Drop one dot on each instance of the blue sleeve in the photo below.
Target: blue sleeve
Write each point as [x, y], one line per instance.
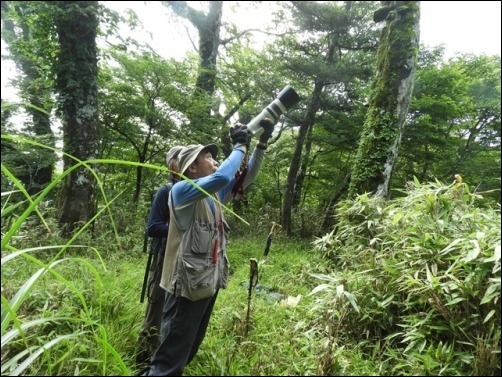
[185, 193]
[159, 213]
[254, 166]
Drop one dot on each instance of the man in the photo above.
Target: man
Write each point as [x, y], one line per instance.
[157, 229]
[196, 265]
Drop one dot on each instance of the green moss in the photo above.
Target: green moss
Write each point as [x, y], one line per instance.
[396, 58]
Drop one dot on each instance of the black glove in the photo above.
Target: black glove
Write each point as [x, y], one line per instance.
[239, 133]
[268, 127]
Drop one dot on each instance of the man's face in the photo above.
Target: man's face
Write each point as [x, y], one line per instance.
[204, 164]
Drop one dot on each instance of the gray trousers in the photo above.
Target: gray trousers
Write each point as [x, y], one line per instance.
[184, 326]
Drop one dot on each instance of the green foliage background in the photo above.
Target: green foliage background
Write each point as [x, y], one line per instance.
[409, 286]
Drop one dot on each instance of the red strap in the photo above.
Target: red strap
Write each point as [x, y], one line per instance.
[240, 176]
[216, 251]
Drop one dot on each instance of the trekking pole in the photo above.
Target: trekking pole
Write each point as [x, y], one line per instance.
[253, 269]
[276, 228]
[147, 270]
[149, 261]
[253, 280]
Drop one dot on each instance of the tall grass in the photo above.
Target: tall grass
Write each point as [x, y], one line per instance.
[67, 337]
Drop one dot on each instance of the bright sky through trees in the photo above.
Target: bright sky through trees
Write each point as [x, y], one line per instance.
[461, 26]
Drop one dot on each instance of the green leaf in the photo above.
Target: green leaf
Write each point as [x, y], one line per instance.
[489, 315]
[455, 301]
[473, 253]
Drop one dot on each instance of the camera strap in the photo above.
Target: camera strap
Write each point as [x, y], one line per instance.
[240, 175]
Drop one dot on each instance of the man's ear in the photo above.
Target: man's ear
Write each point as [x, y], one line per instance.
[192, 168]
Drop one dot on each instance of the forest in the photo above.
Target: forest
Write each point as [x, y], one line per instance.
[380, 189]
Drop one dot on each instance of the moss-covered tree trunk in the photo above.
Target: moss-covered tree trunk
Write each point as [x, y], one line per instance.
[77, 88]
[390, 98]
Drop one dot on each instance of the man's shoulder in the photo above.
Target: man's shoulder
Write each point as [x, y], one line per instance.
[163, 191]
[165, 187]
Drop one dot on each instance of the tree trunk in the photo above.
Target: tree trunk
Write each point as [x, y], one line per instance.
[36, 88]
[42, 174]
[390, 98]
[77, 89]
[329, 220]
[208, 26]
[307, 123]
[300, 179]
